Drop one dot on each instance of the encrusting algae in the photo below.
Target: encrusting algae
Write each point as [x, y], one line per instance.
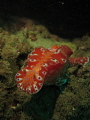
[17, 40]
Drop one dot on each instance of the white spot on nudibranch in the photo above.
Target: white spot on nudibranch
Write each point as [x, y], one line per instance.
[32, 60]
[32, 66]
[49, 49]
[45, 65]
[39, 78]
[42, 49]
[27, 70]
[28, 89]
[18, 74]
[57, 51]
[44, 72]
[55, 60]
[64, 60]
[87, 60]
[31, 54]
[21, 88]
[35, 87]
[19, 85]
[81, 60]
[18, 79]
[40, 84]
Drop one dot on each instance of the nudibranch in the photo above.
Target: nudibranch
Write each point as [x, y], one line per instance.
[44, 66]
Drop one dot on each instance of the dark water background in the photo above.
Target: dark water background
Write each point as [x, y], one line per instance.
[65, 18]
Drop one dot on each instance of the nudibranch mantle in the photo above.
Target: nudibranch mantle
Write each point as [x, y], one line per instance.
[44, 66]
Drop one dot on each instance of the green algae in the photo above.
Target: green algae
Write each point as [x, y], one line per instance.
[15, 44]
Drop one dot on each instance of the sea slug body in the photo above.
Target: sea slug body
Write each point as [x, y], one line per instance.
[43, 67]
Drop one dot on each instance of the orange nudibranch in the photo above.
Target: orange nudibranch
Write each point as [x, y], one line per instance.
[44, 65]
